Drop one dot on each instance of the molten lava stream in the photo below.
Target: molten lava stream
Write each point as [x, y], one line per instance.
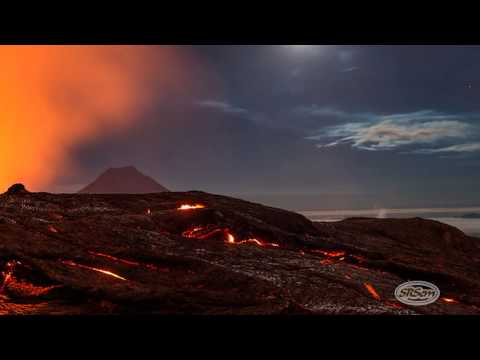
[110, 257]
[327, 262]
[332, 254]
[26, 289]
[123, 261]
[106, 272]
[372, 291]
[191, 207]
[21, 287]
[231, 240]
[201, 233]
[7, 274]
[449, 300]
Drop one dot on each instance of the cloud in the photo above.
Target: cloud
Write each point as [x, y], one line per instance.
[349, 69]
[458, 148]
[55, 98]
[380, 132]
[222, 106]
[327, 111]
[315, 110]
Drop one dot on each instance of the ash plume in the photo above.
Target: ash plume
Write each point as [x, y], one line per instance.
[56, 97]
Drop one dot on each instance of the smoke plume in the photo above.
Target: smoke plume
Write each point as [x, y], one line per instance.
[54, 97]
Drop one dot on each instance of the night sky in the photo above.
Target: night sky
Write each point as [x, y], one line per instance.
[306, 127]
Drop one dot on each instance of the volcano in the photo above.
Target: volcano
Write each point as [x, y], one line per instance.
[125, 180]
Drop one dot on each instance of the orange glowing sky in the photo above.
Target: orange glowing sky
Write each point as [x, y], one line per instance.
[55, 97]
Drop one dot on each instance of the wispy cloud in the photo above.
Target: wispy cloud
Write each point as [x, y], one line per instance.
[222, 106]
[458, 148]
[349, 69]
[389, 132]
[327, 111]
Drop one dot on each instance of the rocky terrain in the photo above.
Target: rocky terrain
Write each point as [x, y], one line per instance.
[198, 253]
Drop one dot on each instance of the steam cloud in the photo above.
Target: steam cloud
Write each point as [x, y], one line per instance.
[55, 97]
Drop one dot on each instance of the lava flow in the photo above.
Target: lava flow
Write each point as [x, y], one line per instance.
[231, 240]
[190, 207]
[372, 291]
[123, 261]
[449, 300]
[327, 262]
[20, 287]
[332, 254]
[7, 274]
[72, 263]
[201, 233]
[127, 262]
[26, 289]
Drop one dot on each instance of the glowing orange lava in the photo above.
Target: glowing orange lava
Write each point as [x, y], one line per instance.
[372, 291]
[200, 232]
[22, 287]
[123, 261]
[190, 207]
[231, 240]
[7, 274]
[192, 232]
[128, 262]
[333, 254]
[28, 289]
[449, 300]
[106, 272]
[327, 262]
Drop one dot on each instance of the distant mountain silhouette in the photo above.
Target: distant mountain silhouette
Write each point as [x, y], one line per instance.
[125, 180]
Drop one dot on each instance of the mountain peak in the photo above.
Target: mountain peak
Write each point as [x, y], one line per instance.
[123, 170]
[123, 180]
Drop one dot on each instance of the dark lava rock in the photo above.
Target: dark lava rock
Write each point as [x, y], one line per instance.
[17, 189]
[89, 254]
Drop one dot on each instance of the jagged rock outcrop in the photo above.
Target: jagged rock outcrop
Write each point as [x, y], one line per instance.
[17, 189]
